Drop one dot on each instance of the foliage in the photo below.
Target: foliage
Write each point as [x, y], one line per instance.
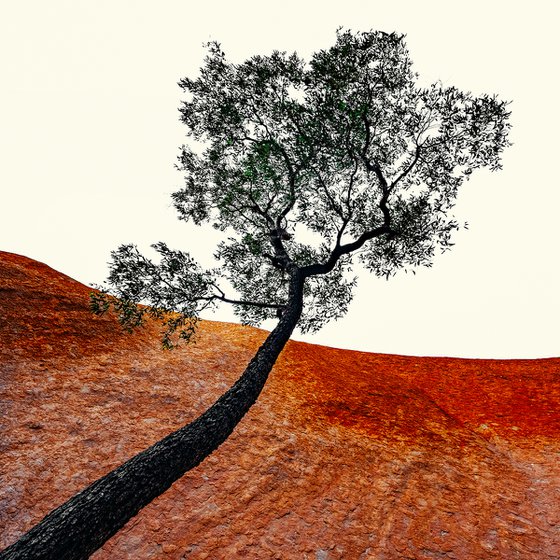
[306, 164]
[176, 290]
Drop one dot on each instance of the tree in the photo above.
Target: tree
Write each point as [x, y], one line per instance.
[305, 168]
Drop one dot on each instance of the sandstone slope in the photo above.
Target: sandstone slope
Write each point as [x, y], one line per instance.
[347, 455]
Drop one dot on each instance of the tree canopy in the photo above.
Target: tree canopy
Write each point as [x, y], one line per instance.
[314, 165]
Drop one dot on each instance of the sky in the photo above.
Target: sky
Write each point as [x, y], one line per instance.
[89, 136]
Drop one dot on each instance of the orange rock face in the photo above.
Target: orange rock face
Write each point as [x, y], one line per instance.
[347, 455]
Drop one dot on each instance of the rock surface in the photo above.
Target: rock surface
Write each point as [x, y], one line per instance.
[347, 455]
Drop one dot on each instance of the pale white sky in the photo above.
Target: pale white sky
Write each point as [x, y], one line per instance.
[89, 134]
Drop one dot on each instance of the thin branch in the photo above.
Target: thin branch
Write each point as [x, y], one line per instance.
[340, 232]
[292, 171]
[407, 170]
[259, 210]
[239, 209]
[217, 288]
[351, 183]
[334, 205]
[292, 201]
[259, 304]
[372, 166]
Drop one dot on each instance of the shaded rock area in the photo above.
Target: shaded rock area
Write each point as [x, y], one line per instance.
[347, 455]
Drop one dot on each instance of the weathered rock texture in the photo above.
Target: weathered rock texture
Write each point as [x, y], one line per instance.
[347, 455]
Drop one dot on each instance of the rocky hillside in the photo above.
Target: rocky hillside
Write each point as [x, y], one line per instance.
[347, 455]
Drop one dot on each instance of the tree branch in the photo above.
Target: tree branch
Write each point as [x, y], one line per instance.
[407, 170]
[340, 250]
[259, 304]
[335, 207]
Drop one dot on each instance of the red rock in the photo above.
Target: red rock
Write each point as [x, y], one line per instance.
[347, 455]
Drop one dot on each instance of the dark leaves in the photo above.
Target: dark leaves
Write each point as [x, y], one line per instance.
[174, 290]
[329, 153]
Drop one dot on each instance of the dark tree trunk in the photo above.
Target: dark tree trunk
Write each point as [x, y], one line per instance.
[84, 523]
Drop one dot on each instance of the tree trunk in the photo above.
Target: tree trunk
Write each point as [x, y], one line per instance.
[84, 523]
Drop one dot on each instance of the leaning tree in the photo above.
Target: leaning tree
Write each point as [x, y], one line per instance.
[305, 167]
